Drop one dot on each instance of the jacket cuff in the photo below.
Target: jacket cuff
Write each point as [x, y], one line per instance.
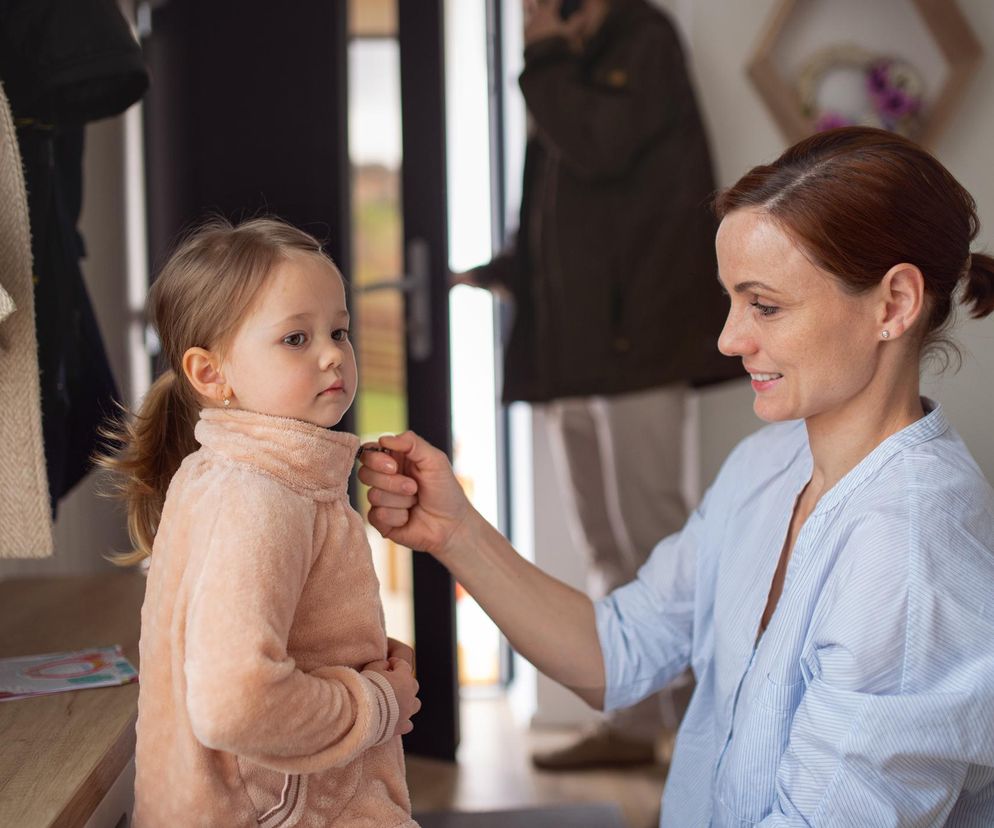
[389, 711]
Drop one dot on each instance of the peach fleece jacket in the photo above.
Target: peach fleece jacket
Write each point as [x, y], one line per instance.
[261, 608]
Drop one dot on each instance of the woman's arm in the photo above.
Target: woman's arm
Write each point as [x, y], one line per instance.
[416, 501]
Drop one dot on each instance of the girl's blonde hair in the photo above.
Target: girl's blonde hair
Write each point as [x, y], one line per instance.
[200, 297]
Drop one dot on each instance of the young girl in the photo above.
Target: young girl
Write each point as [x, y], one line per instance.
[270, 694]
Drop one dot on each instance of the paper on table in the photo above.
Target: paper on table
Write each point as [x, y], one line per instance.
[39, 675]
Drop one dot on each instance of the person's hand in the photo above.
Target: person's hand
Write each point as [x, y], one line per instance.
[398, 672]
[414, 496]
[398, 649]
[463, 278]
[469, 279]
[542, 20]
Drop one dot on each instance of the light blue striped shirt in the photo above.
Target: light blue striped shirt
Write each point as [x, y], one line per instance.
[869, 700]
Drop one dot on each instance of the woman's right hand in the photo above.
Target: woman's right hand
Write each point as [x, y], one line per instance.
[414, 496]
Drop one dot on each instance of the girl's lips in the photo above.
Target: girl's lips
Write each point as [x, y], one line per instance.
[333, 389]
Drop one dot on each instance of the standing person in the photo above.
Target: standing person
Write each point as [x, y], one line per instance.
[832, 592]
[615, 304]
[270, 694]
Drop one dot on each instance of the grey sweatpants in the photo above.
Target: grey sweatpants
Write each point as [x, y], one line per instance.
[619, 462]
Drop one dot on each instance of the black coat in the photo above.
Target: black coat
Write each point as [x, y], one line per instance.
[612, 270]
[64, 63]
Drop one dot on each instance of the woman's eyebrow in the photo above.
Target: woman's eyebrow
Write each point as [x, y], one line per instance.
[753, 286]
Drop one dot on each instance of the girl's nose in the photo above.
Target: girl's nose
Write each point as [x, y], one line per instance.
[331, 355]
[734, 339]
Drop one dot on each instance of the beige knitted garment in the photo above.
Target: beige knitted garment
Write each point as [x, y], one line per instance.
[25, 519]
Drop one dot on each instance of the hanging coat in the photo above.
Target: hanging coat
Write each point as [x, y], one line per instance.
[65, 63]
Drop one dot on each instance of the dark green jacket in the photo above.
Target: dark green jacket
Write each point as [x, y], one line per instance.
[612, 269]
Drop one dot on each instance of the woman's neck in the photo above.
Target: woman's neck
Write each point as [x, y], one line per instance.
[840, 439]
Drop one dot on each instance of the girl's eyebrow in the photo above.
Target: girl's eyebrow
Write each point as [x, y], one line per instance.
[304, 316]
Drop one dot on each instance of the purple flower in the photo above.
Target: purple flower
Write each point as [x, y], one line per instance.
[831, 120]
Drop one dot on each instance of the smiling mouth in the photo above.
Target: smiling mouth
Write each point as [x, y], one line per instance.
[765, 377]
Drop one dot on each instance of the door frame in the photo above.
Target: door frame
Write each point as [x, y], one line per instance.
[423, 185]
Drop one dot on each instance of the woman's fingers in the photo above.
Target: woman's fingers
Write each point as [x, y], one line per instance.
[394, 483]
[387, 519]
[381, 497]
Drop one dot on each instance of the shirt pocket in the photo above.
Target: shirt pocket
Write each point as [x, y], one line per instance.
[746, 784]
[780, 697]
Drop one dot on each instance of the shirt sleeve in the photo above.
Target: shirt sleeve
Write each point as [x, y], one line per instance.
[245, 695]
[646, 628]
[900, 682]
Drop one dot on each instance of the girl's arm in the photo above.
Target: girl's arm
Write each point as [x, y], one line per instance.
[417, 502]
[244, 694]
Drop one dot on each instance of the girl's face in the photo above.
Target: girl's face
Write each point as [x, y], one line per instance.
[291, 356]
[811, 348]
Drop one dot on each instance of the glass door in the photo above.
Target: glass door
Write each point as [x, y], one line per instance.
[396, 150]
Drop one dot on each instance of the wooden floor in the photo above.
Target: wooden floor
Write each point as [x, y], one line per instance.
[493, 772]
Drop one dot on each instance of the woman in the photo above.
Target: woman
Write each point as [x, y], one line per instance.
[833, 591]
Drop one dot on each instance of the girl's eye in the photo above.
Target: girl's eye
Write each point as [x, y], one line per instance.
[764, 310]
[340, 335]
[294, 340]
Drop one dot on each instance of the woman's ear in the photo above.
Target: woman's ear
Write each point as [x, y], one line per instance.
[202, 369]
[903, 295]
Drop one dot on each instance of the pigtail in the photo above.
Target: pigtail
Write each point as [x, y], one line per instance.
[979, 290]
[154, 443]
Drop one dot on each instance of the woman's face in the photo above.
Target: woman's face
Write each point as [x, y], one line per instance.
[810, 348]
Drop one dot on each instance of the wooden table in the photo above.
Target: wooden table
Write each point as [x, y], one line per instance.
[60, 754]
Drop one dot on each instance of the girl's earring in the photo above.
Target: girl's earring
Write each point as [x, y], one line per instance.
[884, 334]
[226, 401]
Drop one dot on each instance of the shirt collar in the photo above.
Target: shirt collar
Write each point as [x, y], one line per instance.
[307, 458]
[932, 425]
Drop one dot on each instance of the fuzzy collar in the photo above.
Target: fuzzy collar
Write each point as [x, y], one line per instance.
[307, 458]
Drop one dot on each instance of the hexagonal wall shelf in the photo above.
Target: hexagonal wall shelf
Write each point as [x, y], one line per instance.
[959, 47]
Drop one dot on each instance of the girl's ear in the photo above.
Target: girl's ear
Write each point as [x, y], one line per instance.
[201, 368]
[903, 289]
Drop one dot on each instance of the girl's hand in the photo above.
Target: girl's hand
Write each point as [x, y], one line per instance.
[398, 649]
[398, 673]
[414, 496]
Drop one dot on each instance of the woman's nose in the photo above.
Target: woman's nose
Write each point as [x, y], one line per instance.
[734, 339]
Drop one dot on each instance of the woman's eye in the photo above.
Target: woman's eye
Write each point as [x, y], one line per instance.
[340, 335]
[294, 340]
[764, 310]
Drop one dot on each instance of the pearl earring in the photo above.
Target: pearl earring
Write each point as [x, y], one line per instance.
[226, 401]
[885, 334]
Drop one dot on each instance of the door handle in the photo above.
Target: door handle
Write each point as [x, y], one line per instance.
[417, 286]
